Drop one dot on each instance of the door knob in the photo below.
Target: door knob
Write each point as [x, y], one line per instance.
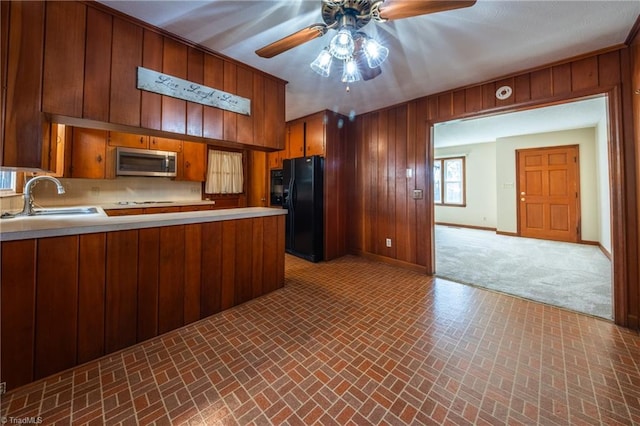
[522, 193]
[522, 199]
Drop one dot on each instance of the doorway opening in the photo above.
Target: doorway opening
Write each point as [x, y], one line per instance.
[497, 240]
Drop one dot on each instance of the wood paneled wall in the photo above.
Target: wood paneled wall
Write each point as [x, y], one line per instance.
[68, 300]
[336, 184]
[391, 141]
[77, 63]
[634, 291]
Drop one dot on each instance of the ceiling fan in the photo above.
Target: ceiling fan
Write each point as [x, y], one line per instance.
[361, 55]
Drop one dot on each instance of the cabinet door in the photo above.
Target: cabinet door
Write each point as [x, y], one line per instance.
[97, 59]
[126, 51]
[314, 135]
[258, 178]
[154, 210]
[17, 311]
[63, 81]
[194, 162]
[295, 136]
[22, 84]
[124, 212]
[195, 208]
[121, 290]
[56, 305]
[244, 123]
[174, 111]
[274, 160]
[129, 140]
[165, 144]
[88, 153]
[274, 113]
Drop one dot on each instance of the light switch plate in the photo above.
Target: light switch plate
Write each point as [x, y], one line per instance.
[417, 194]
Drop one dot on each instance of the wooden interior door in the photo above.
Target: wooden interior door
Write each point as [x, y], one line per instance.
[548, 193]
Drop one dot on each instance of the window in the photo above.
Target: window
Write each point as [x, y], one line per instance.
[224, 173]
[449, 181]
[7, 182]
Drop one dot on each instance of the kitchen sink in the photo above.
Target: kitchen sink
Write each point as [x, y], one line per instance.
[55, 211]
[65, 211]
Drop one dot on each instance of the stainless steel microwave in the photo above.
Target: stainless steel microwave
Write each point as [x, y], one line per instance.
[145, 162]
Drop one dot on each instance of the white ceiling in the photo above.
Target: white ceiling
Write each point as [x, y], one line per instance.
[428, 54]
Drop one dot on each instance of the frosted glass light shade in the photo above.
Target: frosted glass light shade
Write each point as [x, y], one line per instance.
[374, 52]
[322, 64]
[350, 72]
[342, 45]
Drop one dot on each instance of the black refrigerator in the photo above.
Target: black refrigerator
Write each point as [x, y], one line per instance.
[303, 198]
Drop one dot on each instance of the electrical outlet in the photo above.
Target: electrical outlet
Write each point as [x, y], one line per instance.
[3, 388]
[388, 242]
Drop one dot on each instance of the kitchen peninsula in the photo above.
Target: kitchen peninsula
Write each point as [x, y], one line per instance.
[77, 288]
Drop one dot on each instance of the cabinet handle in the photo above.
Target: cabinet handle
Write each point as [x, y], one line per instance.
[99, 158]
[187, 164]
[141, 140]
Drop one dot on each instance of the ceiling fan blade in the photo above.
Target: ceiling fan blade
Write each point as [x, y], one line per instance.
[399, 9]
[292, 40]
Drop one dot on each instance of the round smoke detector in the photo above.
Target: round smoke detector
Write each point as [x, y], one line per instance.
[503, 92]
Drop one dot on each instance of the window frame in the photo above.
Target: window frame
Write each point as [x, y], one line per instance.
[444, 182]
[18, 182]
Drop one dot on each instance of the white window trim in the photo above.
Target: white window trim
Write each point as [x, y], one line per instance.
[443, 182]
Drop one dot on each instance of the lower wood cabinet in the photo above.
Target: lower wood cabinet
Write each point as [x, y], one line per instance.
[68, 300]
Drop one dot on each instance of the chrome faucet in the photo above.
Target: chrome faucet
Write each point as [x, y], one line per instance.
[27, 209]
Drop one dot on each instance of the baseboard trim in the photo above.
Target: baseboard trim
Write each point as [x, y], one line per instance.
[457, 225]
[509, 234]
[389, 261]
[605, 252]
[599, 245]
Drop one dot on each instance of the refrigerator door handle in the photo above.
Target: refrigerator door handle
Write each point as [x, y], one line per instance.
[291, 196]
[294, 193]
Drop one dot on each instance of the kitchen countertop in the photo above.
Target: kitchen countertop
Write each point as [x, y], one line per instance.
[145, 204]
[26, 227]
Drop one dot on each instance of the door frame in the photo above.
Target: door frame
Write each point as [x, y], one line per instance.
[578, 215]
[622, 221]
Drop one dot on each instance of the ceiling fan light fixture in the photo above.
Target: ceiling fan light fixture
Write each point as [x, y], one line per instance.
[375, 53]
[342, 44]
[350, 71]
[322, 64]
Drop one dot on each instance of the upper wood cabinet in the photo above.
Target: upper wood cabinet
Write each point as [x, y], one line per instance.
[91, 158]
[306, 136]
[24, 132]
[296, 136]
[144, 142]
[194, 162]
[314, 135]
[70, 61]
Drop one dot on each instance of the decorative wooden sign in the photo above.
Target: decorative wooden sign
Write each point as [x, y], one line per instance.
[163, 84]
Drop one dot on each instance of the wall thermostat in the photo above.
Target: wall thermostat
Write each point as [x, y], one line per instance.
[503, 92]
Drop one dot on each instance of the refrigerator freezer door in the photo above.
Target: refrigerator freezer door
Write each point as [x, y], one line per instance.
[304, 200]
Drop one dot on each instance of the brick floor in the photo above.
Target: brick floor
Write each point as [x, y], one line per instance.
[357, 342]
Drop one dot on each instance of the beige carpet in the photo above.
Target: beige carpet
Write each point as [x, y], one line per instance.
[572, 276]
